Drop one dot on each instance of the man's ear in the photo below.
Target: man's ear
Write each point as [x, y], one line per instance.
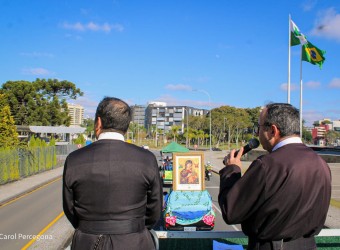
[98, 126]
[275, 131]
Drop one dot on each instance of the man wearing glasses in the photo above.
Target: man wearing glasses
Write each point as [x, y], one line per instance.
[282, 200]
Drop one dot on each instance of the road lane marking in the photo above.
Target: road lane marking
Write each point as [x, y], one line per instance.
[221, 214]
[43, 231]
[25, 194]
[217, 208]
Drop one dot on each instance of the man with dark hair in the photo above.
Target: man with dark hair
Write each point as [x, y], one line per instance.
[282, 199]
[111, 196]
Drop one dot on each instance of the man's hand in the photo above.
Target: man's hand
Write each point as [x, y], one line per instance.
[230, 159]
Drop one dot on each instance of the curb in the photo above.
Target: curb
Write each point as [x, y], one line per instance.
[61, 236]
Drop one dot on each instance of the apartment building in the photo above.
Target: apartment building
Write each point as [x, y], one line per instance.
[320, 129]
[138, 114]
[158, 114]
[76, 112]
[336, 126]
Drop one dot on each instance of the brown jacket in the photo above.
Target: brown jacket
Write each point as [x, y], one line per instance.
[283, 195]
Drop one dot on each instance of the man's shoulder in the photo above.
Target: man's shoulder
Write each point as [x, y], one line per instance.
[291, 154]
[116, 146]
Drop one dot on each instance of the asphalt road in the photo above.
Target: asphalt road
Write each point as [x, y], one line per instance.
[28, 215]
[213, 187]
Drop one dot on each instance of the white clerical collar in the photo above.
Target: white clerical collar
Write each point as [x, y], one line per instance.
[111, 136]
[289, 140]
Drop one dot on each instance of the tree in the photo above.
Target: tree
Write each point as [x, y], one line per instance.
[332, 137]
[253, 114]
[174, 132]
[8, 132]
[200, 137]
[42, 102]
[79, 140]
[325, 122]
[306, 135]
[23, 100]
[235, 120]
[53, 88]
[88, 123]
[3, 100]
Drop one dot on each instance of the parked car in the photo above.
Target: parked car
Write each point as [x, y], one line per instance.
[188, 211]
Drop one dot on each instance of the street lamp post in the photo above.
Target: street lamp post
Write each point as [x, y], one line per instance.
[224, 118]
[186, 141]
[138, 129]
[156, 141]
[164, 136]
[205, 92]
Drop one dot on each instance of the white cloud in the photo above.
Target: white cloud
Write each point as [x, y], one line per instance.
[92, 26]
[90, 106]
[200, 79]
[74, 37]
[335, 112]
[309, 5]
[335, 83]
[178, 87]
[37, 54]
[284, 86]
[36, 71]
[312, 85]
[173, 101]
[310, 116]
[328, 25]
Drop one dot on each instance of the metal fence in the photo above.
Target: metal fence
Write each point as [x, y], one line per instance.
[22, 162]
[65, 149]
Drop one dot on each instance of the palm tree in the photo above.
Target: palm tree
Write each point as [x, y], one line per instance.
[174, 131]
[200, 137]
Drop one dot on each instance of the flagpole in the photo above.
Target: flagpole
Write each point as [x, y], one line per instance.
[288, 84]
[301, 93]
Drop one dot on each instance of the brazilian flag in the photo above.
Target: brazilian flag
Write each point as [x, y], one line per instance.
[312, 54]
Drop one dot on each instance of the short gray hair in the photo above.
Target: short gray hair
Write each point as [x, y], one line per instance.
[285, 116]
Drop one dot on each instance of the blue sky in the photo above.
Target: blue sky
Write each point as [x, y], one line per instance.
[140, 51]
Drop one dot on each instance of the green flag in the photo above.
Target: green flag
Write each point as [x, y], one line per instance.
[296, 37]
[312, 54]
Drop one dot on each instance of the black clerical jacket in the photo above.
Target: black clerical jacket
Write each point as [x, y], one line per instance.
[109, 188]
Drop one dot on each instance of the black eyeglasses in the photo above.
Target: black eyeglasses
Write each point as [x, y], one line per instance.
[257, 128]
